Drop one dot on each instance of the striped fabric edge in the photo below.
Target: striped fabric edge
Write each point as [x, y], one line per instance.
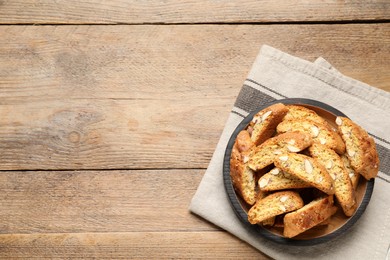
[253, 93]
[301, 66]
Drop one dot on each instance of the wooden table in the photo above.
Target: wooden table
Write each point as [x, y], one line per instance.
[110, 112]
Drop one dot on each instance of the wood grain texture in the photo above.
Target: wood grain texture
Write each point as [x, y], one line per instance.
[99, 201]
[189, 11]
[151, 98]
[90, 97]
[109, 134]
[134, 245]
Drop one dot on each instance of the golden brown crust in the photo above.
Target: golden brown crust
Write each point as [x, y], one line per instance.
[276, 179]
[361, 149]
[300, 112]
[269, 222]
[279, 222]
[273, 205]
[264, 154]
[308, 216]
[242, 176]
[321, 133]
[344, 191]
[264, 122]
[306, 169]
[244, 141]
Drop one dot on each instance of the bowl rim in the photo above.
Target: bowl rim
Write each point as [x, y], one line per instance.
[235, 202]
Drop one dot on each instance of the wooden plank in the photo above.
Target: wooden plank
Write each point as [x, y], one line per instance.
[190, 11]
[148, 245]
[99, 201]
[92, 97]
[109, 134]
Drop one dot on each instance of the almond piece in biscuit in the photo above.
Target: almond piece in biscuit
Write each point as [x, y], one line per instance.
[361, 150]
[264, 154]
[264, 122]
[321, 133]
[308, 216]
[276, 179]
[275, 204]
[306, 169]
[354, 176]
[344, 191]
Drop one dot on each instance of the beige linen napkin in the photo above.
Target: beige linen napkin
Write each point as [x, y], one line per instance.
[277, 75]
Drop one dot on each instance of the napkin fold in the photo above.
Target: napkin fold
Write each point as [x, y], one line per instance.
[277, 75]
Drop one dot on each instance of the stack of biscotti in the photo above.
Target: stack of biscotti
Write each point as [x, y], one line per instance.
[288, 150]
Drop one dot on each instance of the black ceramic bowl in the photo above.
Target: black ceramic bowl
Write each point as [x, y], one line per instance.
[339, 223]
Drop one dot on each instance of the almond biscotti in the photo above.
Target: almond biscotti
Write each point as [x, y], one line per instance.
[309, 158]
[279, 180]
[308, 216]
[344, 191]
[264, 123]
[361, 150]
[243, 178]
[306, 169]
[265, 154]
[301, 112]
[275, 204]
[320, 133]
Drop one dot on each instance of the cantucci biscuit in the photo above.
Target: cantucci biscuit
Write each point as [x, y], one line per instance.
[279, 222]
[320, 133]
[332, 162]
[276, 179]
[306, 169]
[354, 176]
[289, 156]
[243, 178]
[273, 205]
[264, 123]
[264, 154]
[308, 216]
[301, 112]
[361, 150]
